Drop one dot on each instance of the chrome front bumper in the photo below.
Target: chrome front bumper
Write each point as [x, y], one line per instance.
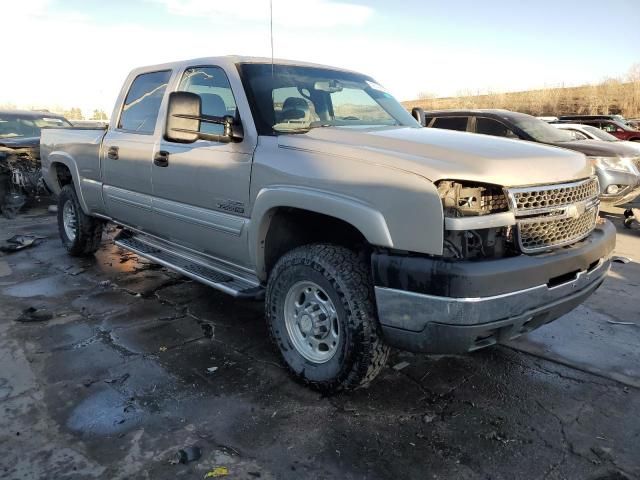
[422, 305]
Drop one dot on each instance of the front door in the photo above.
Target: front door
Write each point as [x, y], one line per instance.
[127, 154]
[201, 190]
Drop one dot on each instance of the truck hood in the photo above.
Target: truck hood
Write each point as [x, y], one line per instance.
[444, 154]
[596, 148]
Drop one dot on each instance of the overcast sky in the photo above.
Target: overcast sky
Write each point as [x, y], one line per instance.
[78, 52]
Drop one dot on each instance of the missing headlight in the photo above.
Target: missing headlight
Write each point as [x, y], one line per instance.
[465, 199]
[462, 199]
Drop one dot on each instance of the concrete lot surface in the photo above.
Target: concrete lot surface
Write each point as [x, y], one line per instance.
[136, 363]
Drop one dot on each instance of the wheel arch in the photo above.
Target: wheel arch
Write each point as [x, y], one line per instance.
[63, 170]
[277, 211]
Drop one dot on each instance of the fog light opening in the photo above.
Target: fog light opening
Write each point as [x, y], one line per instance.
[613, 189]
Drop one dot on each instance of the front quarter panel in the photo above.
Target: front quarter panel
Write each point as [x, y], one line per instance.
[391, 207]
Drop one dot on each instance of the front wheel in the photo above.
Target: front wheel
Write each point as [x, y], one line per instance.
[80, 233]
[321, 315]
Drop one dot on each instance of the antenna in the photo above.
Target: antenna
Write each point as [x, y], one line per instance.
[271, 30]
[272, 67]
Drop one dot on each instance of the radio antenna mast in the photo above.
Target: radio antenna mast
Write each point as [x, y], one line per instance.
[272, 67]
[271, 30]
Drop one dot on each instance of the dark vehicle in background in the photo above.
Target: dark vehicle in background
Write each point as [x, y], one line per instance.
[20, 174]
[617, 166]
[616, 125]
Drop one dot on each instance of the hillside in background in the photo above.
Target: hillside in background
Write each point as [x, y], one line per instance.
[609, 97]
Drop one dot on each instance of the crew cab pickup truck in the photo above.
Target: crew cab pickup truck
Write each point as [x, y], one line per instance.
[312, 188]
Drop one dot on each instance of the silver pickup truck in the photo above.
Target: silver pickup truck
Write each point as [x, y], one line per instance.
[312, 188]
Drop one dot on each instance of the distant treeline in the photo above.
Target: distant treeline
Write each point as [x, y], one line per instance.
[73, 113]
[612, 96]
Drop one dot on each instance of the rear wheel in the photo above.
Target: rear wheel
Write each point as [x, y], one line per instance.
[80, 233]
[321, 315]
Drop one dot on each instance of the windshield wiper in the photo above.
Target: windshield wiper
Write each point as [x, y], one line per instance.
[292, 130]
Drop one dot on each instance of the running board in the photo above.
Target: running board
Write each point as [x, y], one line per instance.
[208, 271]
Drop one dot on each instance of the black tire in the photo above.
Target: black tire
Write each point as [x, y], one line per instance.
[88, 230]
[360, 352]
[628, 222]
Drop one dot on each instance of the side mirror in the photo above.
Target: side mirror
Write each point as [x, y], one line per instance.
[418, 114]
[184, 116]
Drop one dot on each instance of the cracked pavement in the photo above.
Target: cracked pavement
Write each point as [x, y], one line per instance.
[118, 381]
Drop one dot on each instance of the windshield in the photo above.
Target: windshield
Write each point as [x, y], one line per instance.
[295, 99]
[541, 131]
[620, 118]
[599, 134]
[15, 125]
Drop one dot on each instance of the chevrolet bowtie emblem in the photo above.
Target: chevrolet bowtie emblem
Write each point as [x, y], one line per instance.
[575, 210]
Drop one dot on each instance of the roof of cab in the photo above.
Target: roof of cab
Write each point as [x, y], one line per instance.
[231, 61]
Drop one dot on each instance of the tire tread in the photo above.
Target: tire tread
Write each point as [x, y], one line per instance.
[351, 279]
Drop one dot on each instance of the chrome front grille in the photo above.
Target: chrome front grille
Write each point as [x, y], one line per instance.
[542, 197]
[552, 216]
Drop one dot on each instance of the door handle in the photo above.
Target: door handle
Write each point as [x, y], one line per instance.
[161, 158]
[112, 153]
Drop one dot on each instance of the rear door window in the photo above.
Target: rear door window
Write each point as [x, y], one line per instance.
[140, 110]
[451, 123]
[488, 126]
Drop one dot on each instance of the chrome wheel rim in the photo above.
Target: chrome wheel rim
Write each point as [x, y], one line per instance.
[69, 220]
[312, 322]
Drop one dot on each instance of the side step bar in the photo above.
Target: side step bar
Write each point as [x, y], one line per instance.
[208, 271]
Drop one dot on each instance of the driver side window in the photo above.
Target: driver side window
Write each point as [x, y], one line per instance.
[212, 85]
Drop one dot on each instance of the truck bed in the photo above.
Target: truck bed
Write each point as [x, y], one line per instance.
[79, 144]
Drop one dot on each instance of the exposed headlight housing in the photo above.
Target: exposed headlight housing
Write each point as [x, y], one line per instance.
[612, 163]
[465, 199]
[477, 220]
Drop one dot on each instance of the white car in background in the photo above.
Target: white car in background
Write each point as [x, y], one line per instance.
[588, 132]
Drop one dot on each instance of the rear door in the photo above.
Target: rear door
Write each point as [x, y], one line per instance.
[127, 153]
[201, 190]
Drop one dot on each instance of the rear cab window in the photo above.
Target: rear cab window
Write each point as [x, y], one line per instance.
[142, 104]
[451, 123]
